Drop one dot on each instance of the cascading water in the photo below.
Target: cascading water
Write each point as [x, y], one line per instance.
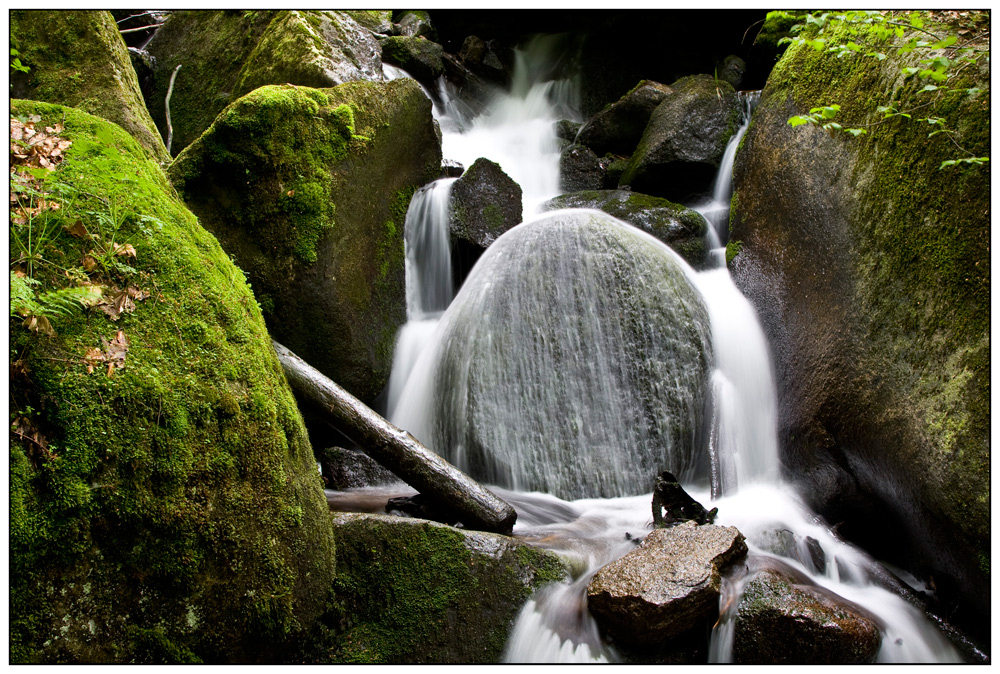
[745, 482]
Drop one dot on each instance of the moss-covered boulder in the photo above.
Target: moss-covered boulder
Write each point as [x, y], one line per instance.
[683, 143]
[307, 189]
[226, 54]
[618, 128]
[780, 622]
[484, 203]
[413, 591]
[869, 266]
[680, 227]
[164, 500]
[419, 57]
[78, 58]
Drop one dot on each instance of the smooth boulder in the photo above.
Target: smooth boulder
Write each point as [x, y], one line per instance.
[683, 143]
[418, 56]
[681, 228]
[668, 586]
[307, 189]
[618, 128]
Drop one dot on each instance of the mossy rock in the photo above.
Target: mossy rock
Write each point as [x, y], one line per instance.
[483, 204]
[226, 54]
[377, 21]
[680, 227]
[419, 57]
[307, 189]
[414, 591]
[871, 275]
[169, 511]
[78, 58]
[619, 127]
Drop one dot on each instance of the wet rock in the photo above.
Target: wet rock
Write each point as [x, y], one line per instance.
[619, 127]
[732, 70]
[485, 203]
[682, 146]
[672, 505]
[350, 469]
[419, 57]
[473, 50]
[677, 226]
[377, 21]
[451, 168]
[567, 129]
[779, 621]
[421, 507]
[413, 23]
[669, 585]
[415, 591]
[580, 169]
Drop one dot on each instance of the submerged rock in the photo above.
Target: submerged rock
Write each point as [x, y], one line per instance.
[413, 591]
[307, 189]
[168, 509]
[680, 227]
[618, 128]
[574, 360]
[780, 622]
[682, 146]
[485, 203]
[668, 586]
[78, 59]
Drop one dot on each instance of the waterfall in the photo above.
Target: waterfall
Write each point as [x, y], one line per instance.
[740, 450]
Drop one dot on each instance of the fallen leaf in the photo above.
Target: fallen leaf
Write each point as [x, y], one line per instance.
[88, 262]
[120, 303]
[137, 293]
[39, 324]
[125, 249]
[78, 229]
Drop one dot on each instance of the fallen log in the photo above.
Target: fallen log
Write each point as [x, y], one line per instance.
[473, 505]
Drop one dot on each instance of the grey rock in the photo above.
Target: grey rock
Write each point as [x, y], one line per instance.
[421, 58]
[416, 24]
[619, 127]
[667, 586]
[567, 129]
[350, 469]
[485, 203]
[580, 169]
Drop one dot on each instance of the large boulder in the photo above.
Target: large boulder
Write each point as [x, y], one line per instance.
[484, 203]
[680, 227]
[779, 621]
[307, 189]
[78, 59]
[226, 54]
[164, 500]
[418, 56]
[668, 586]
[682, 146]
[869, 265]
[574, 360]
[618, 128]
[413, 591]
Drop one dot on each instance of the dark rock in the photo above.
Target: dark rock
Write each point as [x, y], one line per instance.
[418, 56]
[880, 346]
[412, 591]
[142, 63]
[672, 505]
[415, 24]
[421, 507]
[308, 189]
[683, 144]
[451, 168]
[473, 51]
[614, 169]
[567, 129]
[351, 469]
[485, 203]
[580, 169]
[619, 127]
[780, 621]
[732, 70]
[669, 585]
[133, 19]
[677, 226]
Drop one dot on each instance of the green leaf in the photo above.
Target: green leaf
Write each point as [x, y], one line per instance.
[910, 72]
[938, 76]
[856, 132]
[947, 42]
[853, 46]
[916, 21]
[799, 120]
[973, 91]
[928, 87]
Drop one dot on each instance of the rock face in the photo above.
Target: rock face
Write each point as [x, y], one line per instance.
[778, 623]
[78, 58]
[226, 54]
[677, 226]
[485, 203]
[418, 592]
[533, 393]
[870, 275]
[419, 57]
[350, 469]
[669, 585]
[307, 189]
[619, 127]
[168, 510]
[580, 169]
[683, 144]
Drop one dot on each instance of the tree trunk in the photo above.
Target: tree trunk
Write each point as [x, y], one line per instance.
[397, 450]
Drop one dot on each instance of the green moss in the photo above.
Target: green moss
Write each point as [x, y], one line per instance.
[732, 250]
[162, 492]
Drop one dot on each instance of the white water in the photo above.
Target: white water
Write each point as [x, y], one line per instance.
[555, 625]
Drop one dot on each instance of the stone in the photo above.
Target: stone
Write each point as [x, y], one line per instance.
[781, 622]
[472, 52]
[732, 70]
[672, 505]
[485, 203]
[681, 228]
[451, 168]
[580, 169]
[307, 189]
[351, 469]
[414, 591]
[78, 59]
[415, 24]
[619, 127]
[419, 57]
[669, 585]
[567, 129]
[682, 146]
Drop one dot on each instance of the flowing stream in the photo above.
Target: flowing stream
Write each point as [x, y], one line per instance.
[743, 478]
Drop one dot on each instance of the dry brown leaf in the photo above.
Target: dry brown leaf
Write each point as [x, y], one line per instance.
[78, 229]
[39, 324]
[88, 263]
[125, 249]
[137, 293]
[119, 303]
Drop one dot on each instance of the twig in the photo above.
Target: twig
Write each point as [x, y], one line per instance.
[748, 30]
[906, 25]
[136, 16]
[170, 91]
[136, 30]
